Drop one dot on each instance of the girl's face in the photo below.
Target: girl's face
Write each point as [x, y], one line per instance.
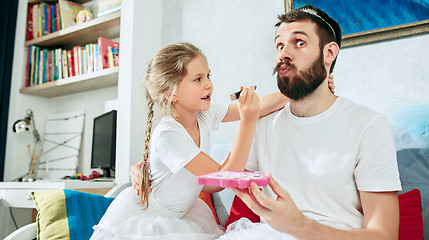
[194, 91]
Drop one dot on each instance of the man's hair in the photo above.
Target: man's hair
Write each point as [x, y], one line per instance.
[328, 29]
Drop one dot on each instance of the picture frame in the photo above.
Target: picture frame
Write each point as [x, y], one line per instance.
[399, 26]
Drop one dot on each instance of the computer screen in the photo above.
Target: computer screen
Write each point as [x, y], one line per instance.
[104, 143]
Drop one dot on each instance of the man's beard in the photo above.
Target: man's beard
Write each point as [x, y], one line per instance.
[305, 82]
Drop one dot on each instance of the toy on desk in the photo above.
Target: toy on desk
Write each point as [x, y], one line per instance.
[233, 179]
[82, 177]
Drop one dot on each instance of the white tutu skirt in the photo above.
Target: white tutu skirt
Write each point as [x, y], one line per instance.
[245, 229]
[125, 219]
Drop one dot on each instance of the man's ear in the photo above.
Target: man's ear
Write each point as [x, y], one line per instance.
[330, 52]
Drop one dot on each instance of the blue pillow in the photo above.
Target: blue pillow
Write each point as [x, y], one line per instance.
[84, 210]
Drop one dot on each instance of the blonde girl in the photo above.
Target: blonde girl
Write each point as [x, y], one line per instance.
[168, 207]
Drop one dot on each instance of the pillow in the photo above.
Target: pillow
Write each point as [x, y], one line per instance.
[238, 210]
[68, 214]
[410, 219]
[207, 198]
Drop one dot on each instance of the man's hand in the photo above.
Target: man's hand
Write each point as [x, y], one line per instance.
[281, 213]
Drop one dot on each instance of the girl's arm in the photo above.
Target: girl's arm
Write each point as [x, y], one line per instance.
[269, 103]
[236, 161]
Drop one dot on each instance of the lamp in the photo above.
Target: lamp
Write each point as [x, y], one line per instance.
[23, 125]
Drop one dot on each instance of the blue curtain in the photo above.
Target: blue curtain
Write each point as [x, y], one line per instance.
[8, 12]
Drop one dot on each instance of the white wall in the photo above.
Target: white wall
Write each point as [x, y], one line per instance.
[237, 38]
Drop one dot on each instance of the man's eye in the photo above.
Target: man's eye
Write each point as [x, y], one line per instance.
[300, 43]
[280, 47]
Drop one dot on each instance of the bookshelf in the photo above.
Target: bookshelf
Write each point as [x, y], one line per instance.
[78, 35]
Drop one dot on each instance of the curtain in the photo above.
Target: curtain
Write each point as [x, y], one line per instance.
[8, 13]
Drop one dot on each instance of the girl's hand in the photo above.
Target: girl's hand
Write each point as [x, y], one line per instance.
[135, 177]
[248, 105]
[331, 84]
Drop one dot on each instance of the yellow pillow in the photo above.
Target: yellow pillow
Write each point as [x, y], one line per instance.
[51, 215]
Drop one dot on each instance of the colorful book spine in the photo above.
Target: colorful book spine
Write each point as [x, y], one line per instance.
[57, 17]
[70, 64]
[27, 67]
[64, 63]
[76, 59]
[58, 63]
[49, 20]
[48, 65]
[29, 34]
[33, 53]
[35, 20]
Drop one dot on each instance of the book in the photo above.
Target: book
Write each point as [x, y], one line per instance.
[76, 60]
[103, 49]
[70, 63]
[48, 66]
[48, 17]
[58, 63]
[29, 33]
[35, 21]
[27, 66]
[57, 17]
[68, 11]
[64, 63]
[52, 65]
[103, 10]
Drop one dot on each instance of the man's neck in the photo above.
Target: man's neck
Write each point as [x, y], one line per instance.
[315, 103]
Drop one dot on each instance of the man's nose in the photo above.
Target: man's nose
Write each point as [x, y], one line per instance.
[286, 53]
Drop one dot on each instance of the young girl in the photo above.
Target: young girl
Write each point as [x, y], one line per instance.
[178, 80]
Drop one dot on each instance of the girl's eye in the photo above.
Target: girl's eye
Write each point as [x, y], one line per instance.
[209, 75]
[198, 80]
[300, 43]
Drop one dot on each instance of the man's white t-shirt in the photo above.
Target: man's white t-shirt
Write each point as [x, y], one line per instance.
[325, 160]
[174, 187]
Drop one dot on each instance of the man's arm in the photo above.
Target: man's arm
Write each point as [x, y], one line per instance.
[380, 209]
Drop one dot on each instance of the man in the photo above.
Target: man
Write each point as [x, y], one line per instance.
[334, 160]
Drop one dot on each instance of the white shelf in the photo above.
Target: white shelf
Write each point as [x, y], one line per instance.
[80, 83]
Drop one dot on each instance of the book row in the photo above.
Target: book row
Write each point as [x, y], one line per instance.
[46, 65]
[45, 18]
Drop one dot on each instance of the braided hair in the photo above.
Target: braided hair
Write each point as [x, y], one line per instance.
[165, 71]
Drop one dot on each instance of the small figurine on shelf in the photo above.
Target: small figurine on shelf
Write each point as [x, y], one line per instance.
[83, 16]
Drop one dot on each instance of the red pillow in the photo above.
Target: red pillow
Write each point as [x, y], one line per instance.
[238, 210]
[411, 219]
[207, 198]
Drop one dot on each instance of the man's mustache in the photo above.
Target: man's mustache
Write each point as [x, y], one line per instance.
[287, 64]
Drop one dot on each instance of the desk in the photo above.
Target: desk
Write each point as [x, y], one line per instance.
[18, 194]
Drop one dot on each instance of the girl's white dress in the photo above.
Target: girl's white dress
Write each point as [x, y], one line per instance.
[175, 211]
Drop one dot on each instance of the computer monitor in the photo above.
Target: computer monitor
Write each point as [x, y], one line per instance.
[104, 143]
